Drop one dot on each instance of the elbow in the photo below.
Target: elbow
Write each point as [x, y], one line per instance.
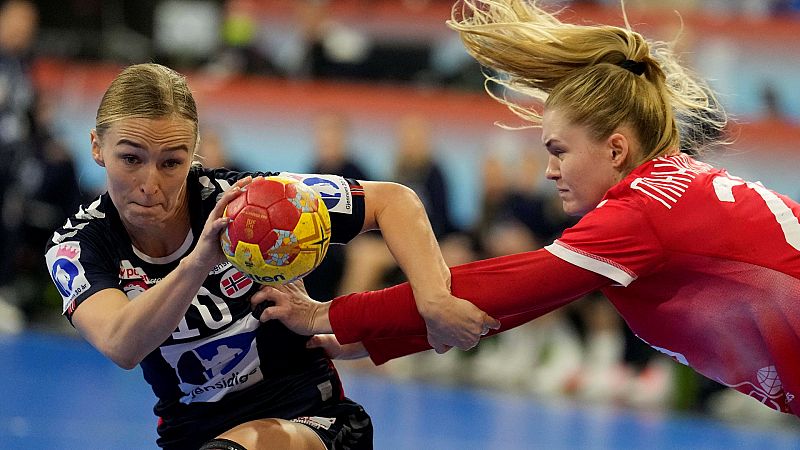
[122, 355]
[407, 197]
[110, 338]
[126, 363]
[386, 199]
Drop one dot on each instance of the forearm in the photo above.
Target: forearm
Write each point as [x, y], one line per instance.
[146, 322]
[409, 237]
[385, 349]
[534, 282]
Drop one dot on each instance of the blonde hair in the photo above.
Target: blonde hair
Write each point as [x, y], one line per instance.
[576, 68]
[149, 91]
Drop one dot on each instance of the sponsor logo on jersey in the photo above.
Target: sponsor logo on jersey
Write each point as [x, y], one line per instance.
[334, 190]
[128, 272]
[769, 392]
[133, 288]
[67, 272]
[769, 381]
[234, 283]
[210, 368]
[219, 268]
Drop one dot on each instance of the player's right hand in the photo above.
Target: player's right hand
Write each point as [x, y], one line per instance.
[454, 322]
[208, 251]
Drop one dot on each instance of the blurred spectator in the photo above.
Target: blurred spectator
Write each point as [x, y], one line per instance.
[332, 147]
[416, 167]
[332, 156]
[512, 192]
[786, 6]
[212, 151]
[18, 27]
[38, 182]
[317, 45]
[773, 108]
[497, 187]
[451, 65]
[240, 50]
[369, 263]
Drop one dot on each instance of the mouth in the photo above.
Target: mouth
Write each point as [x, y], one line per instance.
[145, 205]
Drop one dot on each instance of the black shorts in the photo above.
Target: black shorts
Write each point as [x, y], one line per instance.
[342, 425]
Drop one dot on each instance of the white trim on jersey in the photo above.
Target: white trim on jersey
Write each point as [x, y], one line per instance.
[592, 263]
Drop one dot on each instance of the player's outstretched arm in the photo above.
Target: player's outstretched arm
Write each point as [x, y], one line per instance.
[532, 283]
[515, 288]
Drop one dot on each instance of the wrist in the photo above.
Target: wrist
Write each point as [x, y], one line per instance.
[320, 322]
[195, 265]
[430, 292]
[430, 296]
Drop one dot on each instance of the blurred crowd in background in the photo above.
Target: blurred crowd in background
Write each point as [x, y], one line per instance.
[583, 351]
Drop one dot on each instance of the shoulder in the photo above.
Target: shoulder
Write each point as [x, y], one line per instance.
[84, 244]
[212, 182]
[92, 222]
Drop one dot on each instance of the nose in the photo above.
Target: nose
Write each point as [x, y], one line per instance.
[553, 170]
[150, 181]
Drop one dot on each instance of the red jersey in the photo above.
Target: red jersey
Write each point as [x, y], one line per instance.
[708, 271]
[703, 266]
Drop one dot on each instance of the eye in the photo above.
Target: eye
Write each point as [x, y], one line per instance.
[129, 159]
[173, 163]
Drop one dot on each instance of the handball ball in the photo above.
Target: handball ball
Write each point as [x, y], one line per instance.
[279, 232]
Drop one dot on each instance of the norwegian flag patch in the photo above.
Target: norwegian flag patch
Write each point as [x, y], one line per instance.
[234, 283]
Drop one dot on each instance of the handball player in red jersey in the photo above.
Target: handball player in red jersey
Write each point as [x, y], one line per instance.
[702, 265]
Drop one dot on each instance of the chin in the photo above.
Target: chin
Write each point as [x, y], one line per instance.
[573, 210]
[569, 208]
[141, 220]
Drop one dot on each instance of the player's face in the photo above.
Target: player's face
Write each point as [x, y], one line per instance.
[582, 168]
[147, 161]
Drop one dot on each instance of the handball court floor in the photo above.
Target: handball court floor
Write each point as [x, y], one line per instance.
[59, 393]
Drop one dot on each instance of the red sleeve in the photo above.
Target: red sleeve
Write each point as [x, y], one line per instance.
[514, 289]
[382, 350]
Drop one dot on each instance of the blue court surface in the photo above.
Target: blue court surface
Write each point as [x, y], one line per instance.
[59, 393]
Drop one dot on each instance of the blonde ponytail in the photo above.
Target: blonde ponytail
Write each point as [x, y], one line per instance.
[540, 60]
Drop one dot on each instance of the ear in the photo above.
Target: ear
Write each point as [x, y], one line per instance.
[618, 149]
[97, 152]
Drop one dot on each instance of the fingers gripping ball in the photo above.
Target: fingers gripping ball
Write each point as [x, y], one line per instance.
[280, 230]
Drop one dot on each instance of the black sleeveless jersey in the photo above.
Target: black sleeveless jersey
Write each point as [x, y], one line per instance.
[220, 366]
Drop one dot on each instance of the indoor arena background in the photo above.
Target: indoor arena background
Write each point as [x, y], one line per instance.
[281, 85]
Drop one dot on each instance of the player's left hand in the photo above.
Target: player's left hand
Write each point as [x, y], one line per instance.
[454, 322]
[293, 307]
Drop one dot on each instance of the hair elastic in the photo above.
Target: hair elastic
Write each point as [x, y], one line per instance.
[637, 67]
